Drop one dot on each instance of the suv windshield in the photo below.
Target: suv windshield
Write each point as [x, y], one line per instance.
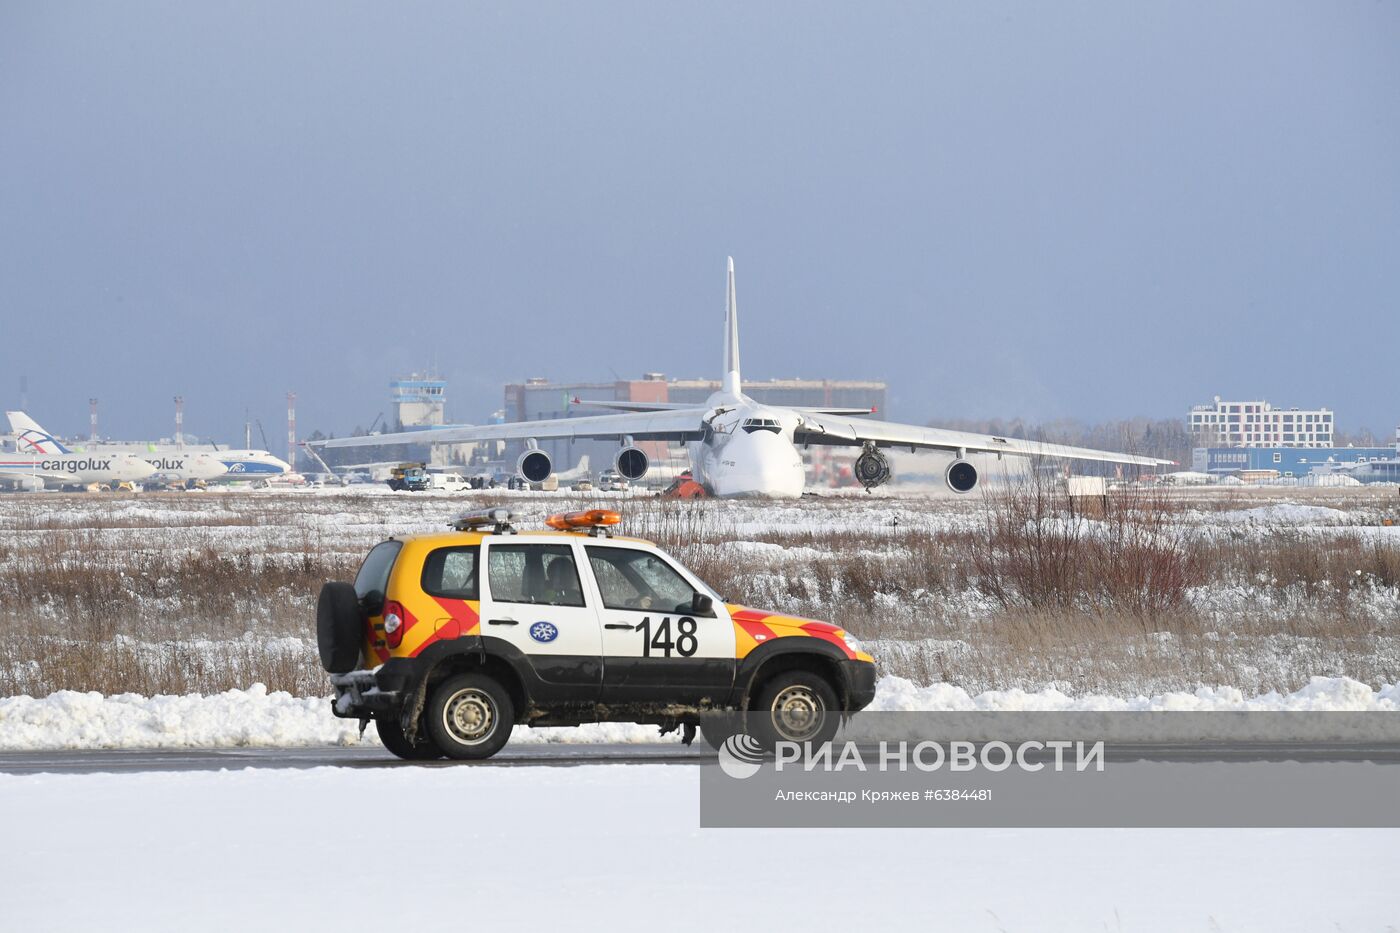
[374, 572]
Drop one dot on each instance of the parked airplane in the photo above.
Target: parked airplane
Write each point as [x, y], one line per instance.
[739, 447]
[41, 461]
[171, 463]
[251, 465]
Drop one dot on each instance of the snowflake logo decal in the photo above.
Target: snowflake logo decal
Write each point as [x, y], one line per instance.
[543, 632]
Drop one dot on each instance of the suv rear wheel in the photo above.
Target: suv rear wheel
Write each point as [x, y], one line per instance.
[391, 735]
[470, 716]
[795, 706]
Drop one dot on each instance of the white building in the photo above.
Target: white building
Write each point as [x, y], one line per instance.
[1259, 424]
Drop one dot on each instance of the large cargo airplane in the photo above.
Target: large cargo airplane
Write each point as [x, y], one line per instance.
[41, 461]
[739, 447]
[169, 463]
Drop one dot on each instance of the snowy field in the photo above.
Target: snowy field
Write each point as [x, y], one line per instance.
[156, 621]
[616, 847]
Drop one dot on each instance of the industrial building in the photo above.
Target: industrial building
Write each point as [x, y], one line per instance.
[1284, 461]
[1256, 440]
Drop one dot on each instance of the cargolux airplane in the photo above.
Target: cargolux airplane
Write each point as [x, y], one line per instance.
[170, 463]
[739, 447]
[40, 461]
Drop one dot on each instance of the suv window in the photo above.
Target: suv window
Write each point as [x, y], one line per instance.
[450, 572]
[374, 572]
[631, 579]
[541, 574]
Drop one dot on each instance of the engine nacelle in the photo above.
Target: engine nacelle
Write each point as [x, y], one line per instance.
[632, 463]
[872, 468]
[961, 476]
[534, 465]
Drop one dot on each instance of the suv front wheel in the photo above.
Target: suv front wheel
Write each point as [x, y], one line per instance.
[795, 706]
[469, 716]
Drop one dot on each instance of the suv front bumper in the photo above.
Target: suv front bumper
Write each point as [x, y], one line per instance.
[860, 684]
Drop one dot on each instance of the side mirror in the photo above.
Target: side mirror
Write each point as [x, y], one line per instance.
[702, 605]
[372, 602]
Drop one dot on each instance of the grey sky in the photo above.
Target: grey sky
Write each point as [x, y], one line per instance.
[1091, 210]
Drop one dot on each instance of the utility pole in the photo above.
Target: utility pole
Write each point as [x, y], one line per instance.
[292, 430]
[179, 421]
[92, 421]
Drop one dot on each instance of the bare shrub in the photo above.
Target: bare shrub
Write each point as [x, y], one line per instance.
[1042, 550]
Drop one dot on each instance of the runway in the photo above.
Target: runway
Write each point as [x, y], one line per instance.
[91, 761]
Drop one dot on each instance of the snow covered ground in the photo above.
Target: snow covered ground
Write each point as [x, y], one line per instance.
[255, 717]
[618, 847]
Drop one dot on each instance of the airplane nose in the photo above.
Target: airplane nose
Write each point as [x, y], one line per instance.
[765, 465]
[139, 469]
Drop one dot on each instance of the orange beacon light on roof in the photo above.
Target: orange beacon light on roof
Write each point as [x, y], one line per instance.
[593, 518]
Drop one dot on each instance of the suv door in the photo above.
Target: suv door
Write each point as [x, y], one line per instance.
[656, 648]
[534, 608]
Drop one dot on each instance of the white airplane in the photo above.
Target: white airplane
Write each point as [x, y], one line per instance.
[251, 465]
[171, 463]
[739, 447]
[40, 461]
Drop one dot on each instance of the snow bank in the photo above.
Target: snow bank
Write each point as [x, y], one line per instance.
[1285, 513]
[1322, 694]
[255, 717]
[252, 717]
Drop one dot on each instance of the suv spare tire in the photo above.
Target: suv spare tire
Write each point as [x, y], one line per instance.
[339, 627]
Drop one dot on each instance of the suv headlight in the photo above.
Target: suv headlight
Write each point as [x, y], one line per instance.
[851, 641]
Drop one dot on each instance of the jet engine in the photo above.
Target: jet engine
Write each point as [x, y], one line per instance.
[961, 476]
[872, 468]
[534, 465]
[632, 463]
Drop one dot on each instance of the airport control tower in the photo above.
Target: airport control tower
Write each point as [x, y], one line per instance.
[418, 400]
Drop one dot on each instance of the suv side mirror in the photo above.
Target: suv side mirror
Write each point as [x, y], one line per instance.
[372, 602]
[702, 605]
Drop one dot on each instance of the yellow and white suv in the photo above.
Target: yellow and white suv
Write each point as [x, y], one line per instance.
[449, 640]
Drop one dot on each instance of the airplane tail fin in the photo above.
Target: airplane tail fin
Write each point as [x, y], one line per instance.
[732, 382]
[30, 438]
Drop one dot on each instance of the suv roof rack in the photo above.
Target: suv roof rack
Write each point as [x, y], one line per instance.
[498, 519]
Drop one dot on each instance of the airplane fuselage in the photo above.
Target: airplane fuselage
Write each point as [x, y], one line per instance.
[72, 469]
[747, 451]
[252, 464]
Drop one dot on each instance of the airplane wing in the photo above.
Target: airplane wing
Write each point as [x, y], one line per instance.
[673, 425]
[628, 406]
[833, 429]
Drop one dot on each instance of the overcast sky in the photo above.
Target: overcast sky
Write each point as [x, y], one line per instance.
[1034, 209]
